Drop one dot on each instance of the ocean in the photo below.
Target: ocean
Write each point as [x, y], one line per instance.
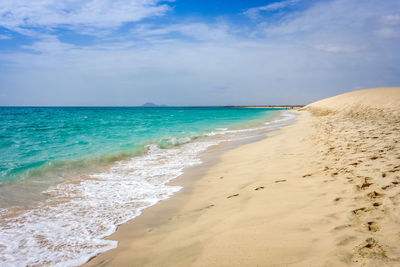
[70, 175]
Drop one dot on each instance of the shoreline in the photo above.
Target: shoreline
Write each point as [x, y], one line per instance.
[323, 191]
[156, 215]
[281, 107]
[41, 179]
[110, 198]
[163, 212]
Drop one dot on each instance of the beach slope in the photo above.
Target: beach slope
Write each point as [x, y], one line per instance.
[324, 191]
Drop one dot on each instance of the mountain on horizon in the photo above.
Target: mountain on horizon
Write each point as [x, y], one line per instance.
[150, 105]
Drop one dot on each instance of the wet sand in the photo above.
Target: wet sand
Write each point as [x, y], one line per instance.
[324, 191]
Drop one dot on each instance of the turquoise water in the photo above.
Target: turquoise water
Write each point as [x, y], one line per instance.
[33, 140]
[70, 176]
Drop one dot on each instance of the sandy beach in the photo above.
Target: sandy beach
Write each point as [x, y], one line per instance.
[324, 191]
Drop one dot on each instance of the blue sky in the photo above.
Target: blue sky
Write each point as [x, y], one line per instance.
[186, 52]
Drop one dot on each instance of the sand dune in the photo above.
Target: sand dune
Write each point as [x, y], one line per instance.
[324, 191]
[367, 102]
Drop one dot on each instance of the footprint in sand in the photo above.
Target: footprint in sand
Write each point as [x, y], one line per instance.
[341, 227]
[365, 184]
[372, 226]
[280, 181]
[259, 188]
[360, 210]
[371, 248]
[375, 194]
[235, 195]
[376, 204]
[386, 187]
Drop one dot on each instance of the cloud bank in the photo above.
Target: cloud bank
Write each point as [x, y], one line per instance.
[291, 53]
[21, 15]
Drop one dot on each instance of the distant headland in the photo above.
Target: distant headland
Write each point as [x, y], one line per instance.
[152, 105]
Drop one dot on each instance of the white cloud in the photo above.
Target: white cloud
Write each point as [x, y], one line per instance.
[278, 5]
[339, 17]
[255, 12]
[49, 45]
[21, 14]
[326, 49]
[196, 30]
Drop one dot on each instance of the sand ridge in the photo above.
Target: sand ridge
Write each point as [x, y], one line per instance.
[364, 103]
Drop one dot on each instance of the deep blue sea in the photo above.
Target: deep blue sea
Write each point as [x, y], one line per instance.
[70, 175]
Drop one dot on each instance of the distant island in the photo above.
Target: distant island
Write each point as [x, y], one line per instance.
[152, 105]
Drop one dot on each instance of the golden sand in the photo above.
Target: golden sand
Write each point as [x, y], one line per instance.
[324, 191]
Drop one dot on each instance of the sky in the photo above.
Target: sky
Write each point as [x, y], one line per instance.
[194, 52]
